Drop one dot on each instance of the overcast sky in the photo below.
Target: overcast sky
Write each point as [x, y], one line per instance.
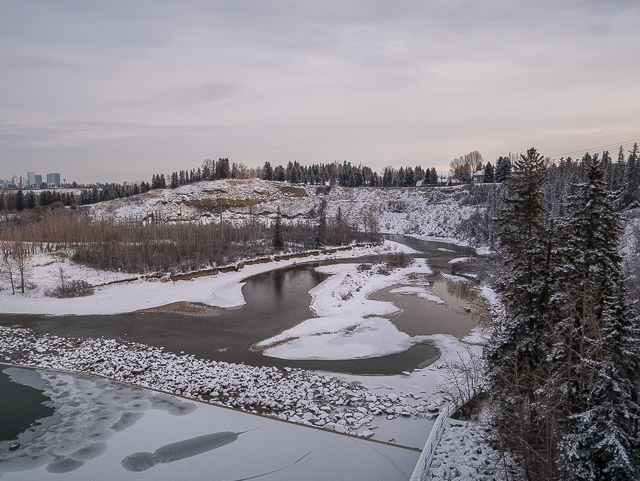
[117, 90]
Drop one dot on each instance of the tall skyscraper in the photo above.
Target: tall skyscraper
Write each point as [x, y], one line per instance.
[53, 179]
[38, 180]
[31, 178]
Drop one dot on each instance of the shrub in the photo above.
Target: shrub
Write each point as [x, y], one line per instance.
[75, 288]
[399, 259]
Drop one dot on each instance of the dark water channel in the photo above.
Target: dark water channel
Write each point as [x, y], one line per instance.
[276, 301]
[20, 407]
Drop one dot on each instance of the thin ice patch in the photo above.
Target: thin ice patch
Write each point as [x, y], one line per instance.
[64, 466]
[89, 452]
[170, 453]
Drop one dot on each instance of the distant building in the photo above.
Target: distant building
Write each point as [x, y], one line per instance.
[53, 180]
[38, 180]
[31, 179]
[15, 180]
[478, 177]
[23, 182]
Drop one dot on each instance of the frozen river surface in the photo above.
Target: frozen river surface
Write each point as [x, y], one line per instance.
[103, 430]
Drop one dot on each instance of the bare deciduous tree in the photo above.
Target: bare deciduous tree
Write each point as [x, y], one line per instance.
[462, 377]
[465, 166]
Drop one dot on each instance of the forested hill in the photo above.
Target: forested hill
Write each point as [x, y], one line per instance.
[430, 211]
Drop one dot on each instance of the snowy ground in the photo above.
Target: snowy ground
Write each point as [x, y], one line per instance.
[221, 290]
[464, 455]
[104, 430]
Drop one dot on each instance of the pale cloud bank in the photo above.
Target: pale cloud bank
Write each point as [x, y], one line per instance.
[117, 90]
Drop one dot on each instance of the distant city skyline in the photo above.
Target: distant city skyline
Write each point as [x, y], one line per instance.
[34, 180]
[117, 91]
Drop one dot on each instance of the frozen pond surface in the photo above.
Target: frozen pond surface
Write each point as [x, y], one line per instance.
[102, 430]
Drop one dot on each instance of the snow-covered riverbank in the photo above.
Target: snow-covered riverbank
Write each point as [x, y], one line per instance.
[290, 394]
[221, 290]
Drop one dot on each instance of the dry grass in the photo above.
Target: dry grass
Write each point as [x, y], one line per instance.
[294, 191]
[188, 308]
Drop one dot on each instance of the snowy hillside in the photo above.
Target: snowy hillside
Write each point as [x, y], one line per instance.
[417, 211]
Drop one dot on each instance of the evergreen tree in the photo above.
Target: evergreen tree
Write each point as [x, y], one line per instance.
[278, 235]
[409, 178]
[223, 170]
[607, 169]
[30, 200]
[503, 169]
[516, 354]
[321, 235]
[278, 174]
[206, 171]
[267, 171]
[398, 179]
[294, 173]
[387, 178]
[631, 177]
[599, 342]
[489, 173]
[20, 203]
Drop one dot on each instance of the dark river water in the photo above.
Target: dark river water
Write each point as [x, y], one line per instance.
[276, 301]
[20, 407]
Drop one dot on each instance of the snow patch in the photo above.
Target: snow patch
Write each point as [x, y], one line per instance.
[378, 337]
[348, 325]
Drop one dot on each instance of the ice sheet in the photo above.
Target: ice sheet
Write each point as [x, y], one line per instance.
[208, 443]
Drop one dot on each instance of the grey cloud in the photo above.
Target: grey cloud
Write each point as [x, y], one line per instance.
[367, 81]
[72, 133]
[199, 95]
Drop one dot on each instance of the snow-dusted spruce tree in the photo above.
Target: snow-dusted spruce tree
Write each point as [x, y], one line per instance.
[503, 169]
[278, 235]
[597, 342]
[489, 173]
[631, 177]
[517, 352]
[321, 236]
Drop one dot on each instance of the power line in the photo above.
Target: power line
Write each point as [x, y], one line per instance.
[608, 146]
